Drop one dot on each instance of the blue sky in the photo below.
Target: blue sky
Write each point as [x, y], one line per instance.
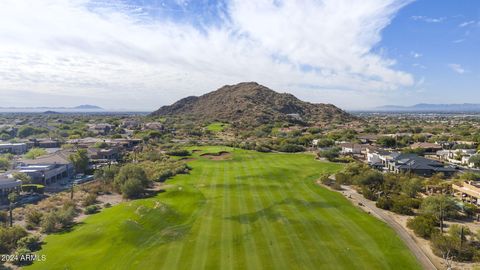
[139, 54]
[439, 42]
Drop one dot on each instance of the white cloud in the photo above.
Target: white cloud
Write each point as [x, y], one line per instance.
[466, 23]
[416, 54]
[418, 65]
[118, 59]
[457, 68]
[428, 19]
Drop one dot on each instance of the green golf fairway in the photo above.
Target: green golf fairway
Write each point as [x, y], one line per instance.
[251, 211]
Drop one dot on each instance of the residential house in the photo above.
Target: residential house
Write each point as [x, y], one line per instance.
[377, 157]
[457, 156]
[8, 184]
[353, 148]
[13, 148]
[153, 126]
[46, 143]
[103, 154]
[429, 148]
[368, 138]
[49, 168]
[100, 129]
[131, 124]
[412, 163]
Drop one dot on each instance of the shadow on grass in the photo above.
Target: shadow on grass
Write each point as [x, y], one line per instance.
[151, 193]
[272, 212]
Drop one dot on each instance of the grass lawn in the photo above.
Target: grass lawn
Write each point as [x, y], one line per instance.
[253, 211]
[217, 126]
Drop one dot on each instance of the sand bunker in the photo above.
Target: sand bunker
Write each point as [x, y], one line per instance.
[222, 155]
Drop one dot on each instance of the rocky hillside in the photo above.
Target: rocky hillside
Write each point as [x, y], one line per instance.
[252, 104]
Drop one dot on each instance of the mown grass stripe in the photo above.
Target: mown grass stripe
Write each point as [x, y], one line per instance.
[227, 251]
[174, 253]
[313, 223]
[250, 243]
[201, 249]
[301, 249]
[269, 238]
[351, 232]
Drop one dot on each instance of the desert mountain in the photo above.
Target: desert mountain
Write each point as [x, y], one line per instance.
[250, 103]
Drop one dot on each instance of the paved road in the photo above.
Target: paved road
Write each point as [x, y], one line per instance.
[404, 235]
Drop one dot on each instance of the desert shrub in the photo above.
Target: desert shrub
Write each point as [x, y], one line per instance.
[330, 154]
[9, 237]
[49, 222]
[30, 242]
[384, 203]
[3, 218]
[461, 250]
[369, 194]
[57, 220]
[402, 205]
[179, 152]
[92, 209]
[33, 217]
[290, 148]
[90, 199]
[343, 179]
[132, 188]
[423, 226]
[66, 215]
[21, 255]
[326, 180]
[131, 181]
[262, 148]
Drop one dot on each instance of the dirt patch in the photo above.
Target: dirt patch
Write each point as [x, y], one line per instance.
[196, 150]
[222, 155]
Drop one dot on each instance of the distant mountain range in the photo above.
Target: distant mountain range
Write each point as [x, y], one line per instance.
[252, 104]
[424, 107]
[84, 107]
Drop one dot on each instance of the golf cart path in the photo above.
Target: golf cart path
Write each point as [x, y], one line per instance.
[423, 258]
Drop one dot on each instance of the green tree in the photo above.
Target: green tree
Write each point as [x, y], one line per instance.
[25, 131]
[25, 178]
[423, 226]
[470, 209]
[34, 153]
[330, 154]
[412, 186]
[439, 206]
[4, 163]
[131, 180]
[80, 160]
[386, 141]
[475, 160]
